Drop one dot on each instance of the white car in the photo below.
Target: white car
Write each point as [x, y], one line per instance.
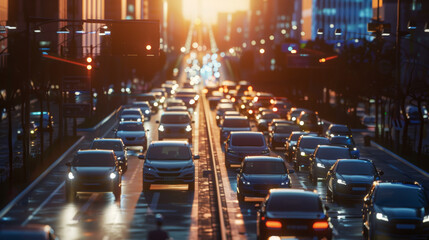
[131, 114]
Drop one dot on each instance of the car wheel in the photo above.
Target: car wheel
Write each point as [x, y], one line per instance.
[191, 186]
[240, 197]
[117, 192]
[146, 186]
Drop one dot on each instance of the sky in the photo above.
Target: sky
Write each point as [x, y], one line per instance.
[210, 8]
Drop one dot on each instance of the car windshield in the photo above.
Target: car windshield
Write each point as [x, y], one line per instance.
[342, 141]
[313, 142]
[340, 129]
[110, 145]
[94, 160]
[400, 197]
[286, 128]
[294, 203]
[270, 116]
[169, 153]
[236, 123]
[175, 119]
[147, 98]
[137, 126]
[264, 167]
[130, 112]
[355, 168]
[333, 153]
[308, 117]
[295, 137]
[247, 140]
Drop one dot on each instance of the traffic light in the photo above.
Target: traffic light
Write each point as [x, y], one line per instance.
[89, 61]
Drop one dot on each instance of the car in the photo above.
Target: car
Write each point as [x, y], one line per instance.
[369, 121]
[34, 131]
[175, 125]
[290, 144]
[163, 92]
[305, 148]
[169, 89]
[116, 145]
[293, 213]
[346, 141]
[214, 99]
[131, 114]
[338, 130]
[171, 102]
[30, 231]
[279, 133]
[394, 209]
[228, 85]
[244, 143]
[132, 134]
[144, 108]
[233, 123]
[281, 108]
[413, 115]
[221, 109]
[323, 158]
[351, 178]
[259, 174]
[47, 122]
[151, 98]
[279, 121]
[177, 109]
[264, 119]
[310, 121]
[93, 171]
[169, 162]
[264, 98]
[294, 113]
[188, 96]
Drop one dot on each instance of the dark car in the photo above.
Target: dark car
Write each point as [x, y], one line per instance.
[47, 122]
[169, 162]
[294, 113]
[305, 148]
[310, 121]
[151, 98]
[397, 210]
[175, 125]
[188, 96]
[323, 158]
[221, 109]
[351, 178]
[290, 144]
[260, 174]
[346, 141]
[177, 109]
[281, 108]
[338, 130]
[144, 108]
[296, 213]
[116, 145]
[242, 144]
[172, 102]
[233, 123]
[279, 133]
[280, 121]
[30, 231]
[263, 120]
[93, 171]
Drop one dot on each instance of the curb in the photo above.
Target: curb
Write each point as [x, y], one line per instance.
[38, 179]
[403, 160]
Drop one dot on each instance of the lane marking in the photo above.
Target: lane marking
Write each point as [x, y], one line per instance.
[43, 204]
[85, 207]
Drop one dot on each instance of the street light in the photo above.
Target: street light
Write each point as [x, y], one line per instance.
[63, 30]
[338, 32]
[320, 31]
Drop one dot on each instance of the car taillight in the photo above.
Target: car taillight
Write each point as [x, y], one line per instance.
[273, 224]
[320, 225]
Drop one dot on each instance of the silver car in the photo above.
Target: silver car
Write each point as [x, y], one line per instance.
[132, 134]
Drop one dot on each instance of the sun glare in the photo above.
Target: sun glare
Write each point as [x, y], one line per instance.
[207, 10]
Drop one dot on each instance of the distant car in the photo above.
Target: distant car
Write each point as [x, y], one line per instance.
[290, 144]
[310, 121]
[281, 108]
[259, 174]
[229, 114]
[33, 131]
[413, 115]
[132, 134]
[323, 158]
[305, 148]
[93, 171]
[294, 113]
[295, 213]
[351, 178]
[169, 162]
[264, 119]
[242, 144]
[264, 98]
[279, 133]
[221, 109]
[30, 231]
[145, 108]
[172, 102]
[163, 92]
[348, 142]
[47, 122]
[114, 144]
[131, 114]
[214, 99]
[175, 125]
[368, 121]
[397, 210]
[189, 96]
[233, 123]
[177, 109]
[338, 130]
[280, 121]
[151, 98]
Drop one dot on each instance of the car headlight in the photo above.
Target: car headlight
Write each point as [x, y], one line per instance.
[19, 131]
[242, 106]
[355, 149]
[294, 119]
[139, 119]
[250, 111]
[188, 128]
[301, 123]
[293, 147]
[119, 158]
[149, 168]
[122, 119]
[155, 104]
[112, 175]
[192, 101]
[147, 111]
[341, 181]
[286, 182]
[217, 116]
[70, 176]
[381, 217]
[303, 154]
[332, 135]
[244, 181]
[196, 97]
[161, 128]
[320, 165]
[265, 151]
[426, 218]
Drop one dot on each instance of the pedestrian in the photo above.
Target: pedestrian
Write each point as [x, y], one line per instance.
[158, 233]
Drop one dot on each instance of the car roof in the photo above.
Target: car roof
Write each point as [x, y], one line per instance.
[108, 139]
[246, 133]
[355, 160]
[314, 137]
[94, 151]
[169, 143]
[292, 191]
[235, 117]
[130, 122]
[131, 109]
[263, 158]
[332, 146]
[175, 113]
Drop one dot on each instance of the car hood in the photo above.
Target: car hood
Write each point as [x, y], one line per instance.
[265, 178]
[130, 133]
[296, 215]
[168, 163]
[92, 171]
[358, 178]
[403, 213]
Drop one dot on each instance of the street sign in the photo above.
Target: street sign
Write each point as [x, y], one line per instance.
[76, 110]
[76, 83]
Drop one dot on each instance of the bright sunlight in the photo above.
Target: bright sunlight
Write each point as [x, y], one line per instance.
[207, 10]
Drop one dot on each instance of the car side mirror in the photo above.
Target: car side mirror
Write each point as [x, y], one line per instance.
[366, 201]
[157, 121]
[290, 171]
[141, 156]
[381, 173]
[196, 157]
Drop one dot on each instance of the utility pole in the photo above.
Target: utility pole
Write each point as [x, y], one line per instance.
[398, 69]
